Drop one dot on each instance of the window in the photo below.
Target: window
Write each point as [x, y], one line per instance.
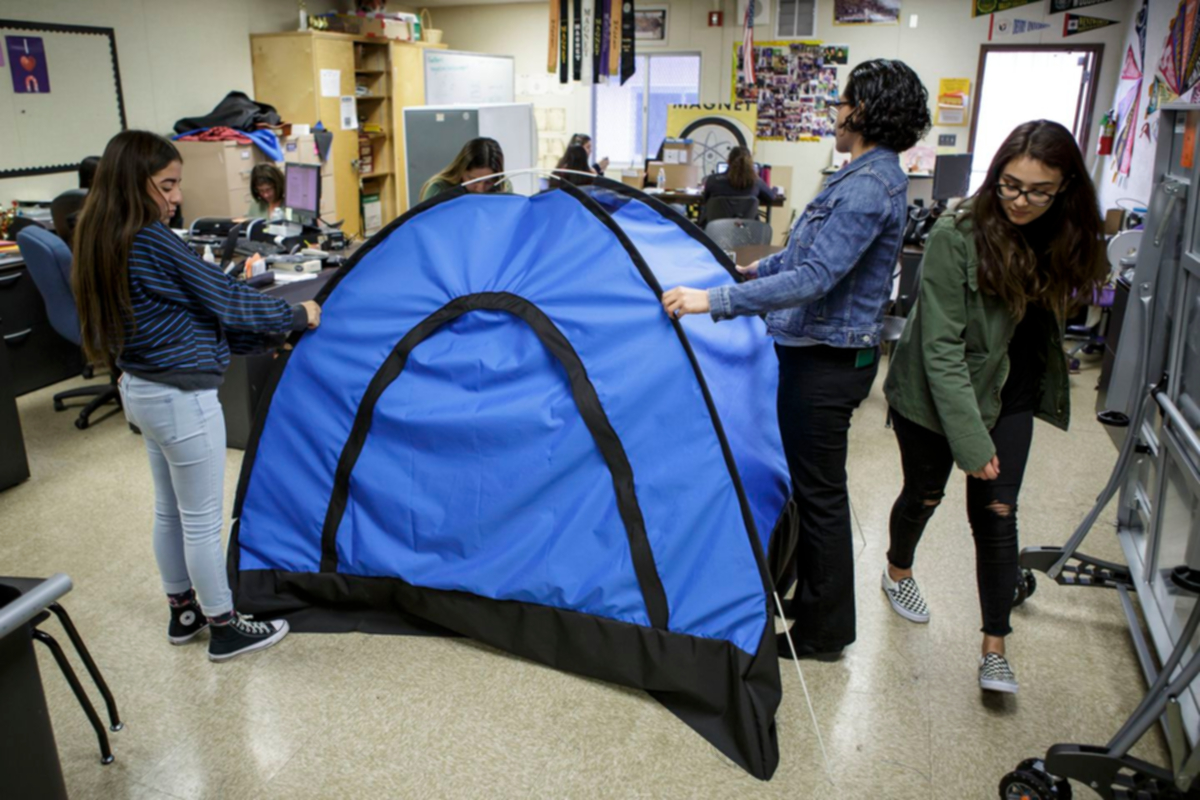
[796, 19]
[1066, 89]
[630, 121]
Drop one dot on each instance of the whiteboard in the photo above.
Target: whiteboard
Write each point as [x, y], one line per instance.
[77, 106]
[454, 78]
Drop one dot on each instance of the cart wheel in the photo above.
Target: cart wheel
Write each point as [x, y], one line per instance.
[81, 422]
[59, 405]
[1026, 586]
[1027, 784]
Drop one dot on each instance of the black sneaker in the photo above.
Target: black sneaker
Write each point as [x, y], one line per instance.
[244, 635]
[186, 622]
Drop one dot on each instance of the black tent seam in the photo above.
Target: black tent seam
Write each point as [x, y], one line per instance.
[586, 400]
[260, 420]
[686, 225]
[731, 465]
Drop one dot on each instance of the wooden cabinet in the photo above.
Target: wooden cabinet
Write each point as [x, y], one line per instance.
[288, 71]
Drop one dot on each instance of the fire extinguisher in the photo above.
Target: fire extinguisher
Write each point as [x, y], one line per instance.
[1108, 131]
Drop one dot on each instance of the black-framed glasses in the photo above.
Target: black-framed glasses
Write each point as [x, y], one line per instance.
[838, 103]
[1035, 197]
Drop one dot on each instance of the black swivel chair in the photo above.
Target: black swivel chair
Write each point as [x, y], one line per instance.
[730, 234]
[49, 262]
[64, 210]
[730, 208]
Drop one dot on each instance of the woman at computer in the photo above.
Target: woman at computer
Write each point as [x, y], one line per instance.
[825, 295]
[478, 159]
[982, 356]
[169, 321]
[572, 168]
[266, 189]
[738, 180]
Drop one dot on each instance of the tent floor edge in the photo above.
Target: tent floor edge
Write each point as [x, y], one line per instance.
[726, 695]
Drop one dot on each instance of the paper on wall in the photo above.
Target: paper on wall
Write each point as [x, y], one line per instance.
[556, 119]
[671, 156]
[349, 113]
[539, 118]
[331, 83]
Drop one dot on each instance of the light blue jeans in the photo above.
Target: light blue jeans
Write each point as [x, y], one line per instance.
[185, 437]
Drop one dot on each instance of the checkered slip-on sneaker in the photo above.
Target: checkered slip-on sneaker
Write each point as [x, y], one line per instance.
[995, 675]
[905, 597]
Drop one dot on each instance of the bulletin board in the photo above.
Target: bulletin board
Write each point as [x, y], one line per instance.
[795, 84]
[60, 96]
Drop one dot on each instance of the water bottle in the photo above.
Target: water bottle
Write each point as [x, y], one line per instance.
[661, 182]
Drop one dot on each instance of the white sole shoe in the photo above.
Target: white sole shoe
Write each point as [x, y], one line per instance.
[905, 597]
[995, 675]
[263, 635]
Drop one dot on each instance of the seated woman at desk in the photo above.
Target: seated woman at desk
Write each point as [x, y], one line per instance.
[169, 321]
[266, 187]
[739, 180]
[478, 159]
[574, 162]
[585, 141]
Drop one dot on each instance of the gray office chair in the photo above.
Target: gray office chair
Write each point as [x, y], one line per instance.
[730, 208]
[49, 262]
[64, 210]
[730, 234]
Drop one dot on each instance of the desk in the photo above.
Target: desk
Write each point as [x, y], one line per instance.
[14, 466]
[37, 355]
[685, 198]
[247, 376]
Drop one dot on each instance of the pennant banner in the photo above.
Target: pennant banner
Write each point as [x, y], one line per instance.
[614, 40]
[981, 8]
[605, 39]
[598, 39]
[627, 43]
[564, 42]
[1131, 71]
[1059, 6]
[1075, 24]
[1013, 27]
[577, 40]
[587, 40]
[552, 45]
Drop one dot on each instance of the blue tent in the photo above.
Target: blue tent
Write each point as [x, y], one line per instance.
[497, 432]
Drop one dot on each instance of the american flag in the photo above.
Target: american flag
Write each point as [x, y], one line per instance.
[748, 45]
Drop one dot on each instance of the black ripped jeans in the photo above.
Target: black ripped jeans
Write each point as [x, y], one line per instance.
[927, 462]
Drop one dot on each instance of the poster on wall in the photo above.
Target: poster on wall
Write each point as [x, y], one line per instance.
[981, 8]
[1059, 6]
[30, 74]
[793, 90]
[1077, 23]
[953, 96]
[866, 12]
[837, 54]
[650, 25]
[714, 128]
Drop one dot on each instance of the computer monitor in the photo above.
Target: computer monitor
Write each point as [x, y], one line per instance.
[302, 191]
[952, 176]
[723, 167]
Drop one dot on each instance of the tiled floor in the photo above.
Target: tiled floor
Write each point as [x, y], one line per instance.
[356, 716]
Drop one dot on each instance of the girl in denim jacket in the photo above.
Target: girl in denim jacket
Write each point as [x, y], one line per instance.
[824, 297]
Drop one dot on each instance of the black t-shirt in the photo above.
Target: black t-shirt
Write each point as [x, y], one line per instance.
[1027, 350]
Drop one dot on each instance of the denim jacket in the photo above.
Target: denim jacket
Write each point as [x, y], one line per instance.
[834, 279]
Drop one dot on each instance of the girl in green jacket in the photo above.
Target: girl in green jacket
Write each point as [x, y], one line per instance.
[982, 355]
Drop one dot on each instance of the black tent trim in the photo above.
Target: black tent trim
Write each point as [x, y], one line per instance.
[590, 409]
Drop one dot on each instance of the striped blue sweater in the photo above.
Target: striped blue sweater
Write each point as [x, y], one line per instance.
[188, 316]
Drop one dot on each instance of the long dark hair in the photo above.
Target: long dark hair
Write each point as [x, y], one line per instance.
[118, 206]
[481, 152]
[741, 168]
[269, 174]
[1008, 267]
[891, 105]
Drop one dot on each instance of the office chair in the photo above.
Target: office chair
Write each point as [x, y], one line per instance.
[64, 209]
[8, 585]
[730, 208]
[49, 262]
[730, 234]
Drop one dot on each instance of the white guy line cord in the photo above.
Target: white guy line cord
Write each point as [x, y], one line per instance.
[804, 685]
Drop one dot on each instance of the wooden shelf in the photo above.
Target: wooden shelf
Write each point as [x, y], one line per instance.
[362, 97]
[370, 72]
[381, 135]
[366, 176]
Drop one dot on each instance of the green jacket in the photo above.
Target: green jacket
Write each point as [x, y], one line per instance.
[952, 360]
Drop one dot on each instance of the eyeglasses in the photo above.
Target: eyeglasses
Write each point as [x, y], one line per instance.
[1034, 197]
[838, 103]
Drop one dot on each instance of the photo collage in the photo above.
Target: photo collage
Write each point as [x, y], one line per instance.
[795, 83]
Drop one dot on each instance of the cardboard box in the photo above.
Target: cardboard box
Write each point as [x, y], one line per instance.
[680, 151]
[679, 176]
[636, 179]
[303, 150]
[384, 28]
[372, 214]
[1114, 218]
[216, 178]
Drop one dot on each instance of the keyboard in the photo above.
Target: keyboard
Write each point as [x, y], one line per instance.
[249, 247]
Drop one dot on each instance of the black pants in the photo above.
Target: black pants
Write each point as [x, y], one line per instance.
[991, 507]
[819, 388]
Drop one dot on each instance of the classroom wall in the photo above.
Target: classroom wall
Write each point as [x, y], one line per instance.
[178, 58]
[944, 44]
